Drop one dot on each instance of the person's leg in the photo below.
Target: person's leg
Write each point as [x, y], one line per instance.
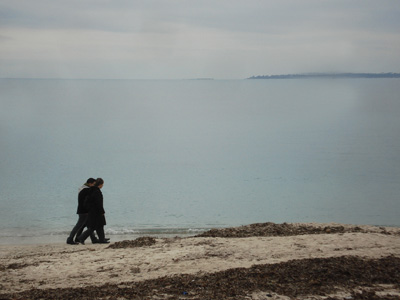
[84, 218]
[93, 237]
[79, 225]
[85, 235]
[79, 232]
[100, 233]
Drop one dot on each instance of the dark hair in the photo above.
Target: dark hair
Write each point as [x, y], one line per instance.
[91, 180]
[99, 181]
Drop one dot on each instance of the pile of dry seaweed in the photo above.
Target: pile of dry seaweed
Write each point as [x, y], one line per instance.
[272, 229]
[139, 242]
[319, 276]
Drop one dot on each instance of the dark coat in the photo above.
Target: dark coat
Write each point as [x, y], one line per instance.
[81, 198]
[96, 216]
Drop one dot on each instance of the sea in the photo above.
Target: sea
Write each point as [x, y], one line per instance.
[179, 157]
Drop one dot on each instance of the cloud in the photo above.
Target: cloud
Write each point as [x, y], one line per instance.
[176, 38]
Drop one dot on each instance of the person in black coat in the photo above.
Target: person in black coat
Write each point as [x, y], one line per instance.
[96, 219]
[83, 214]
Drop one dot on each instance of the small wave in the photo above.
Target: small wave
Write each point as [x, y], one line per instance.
[154, 231]
[29, 233]
[116, 234]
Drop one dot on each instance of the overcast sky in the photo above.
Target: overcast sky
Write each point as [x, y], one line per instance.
[174, 39]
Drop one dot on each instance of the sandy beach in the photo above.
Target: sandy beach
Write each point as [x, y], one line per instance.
[258, 261]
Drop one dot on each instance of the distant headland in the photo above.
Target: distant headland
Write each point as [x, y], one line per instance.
[328, 75]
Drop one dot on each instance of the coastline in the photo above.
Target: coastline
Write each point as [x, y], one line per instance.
[257, 261]
[329, 76]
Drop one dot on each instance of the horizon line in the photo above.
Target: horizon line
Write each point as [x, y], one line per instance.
[210, 78]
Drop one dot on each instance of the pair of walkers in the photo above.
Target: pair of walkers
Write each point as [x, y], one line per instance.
[91, 214]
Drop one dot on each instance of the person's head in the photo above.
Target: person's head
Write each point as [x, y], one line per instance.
[99, 183]
[90, 181]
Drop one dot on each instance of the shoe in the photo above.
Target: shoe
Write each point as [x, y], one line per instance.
[98, 241]
[81, 241]
[72, 243]
[103, 242]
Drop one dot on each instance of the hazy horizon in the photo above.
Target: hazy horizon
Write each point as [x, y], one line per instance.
[210, 78]
[206, 39]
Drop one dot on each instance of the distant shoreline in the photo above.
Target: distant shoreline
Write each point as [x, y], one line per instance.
[276, 76]
[328, 75]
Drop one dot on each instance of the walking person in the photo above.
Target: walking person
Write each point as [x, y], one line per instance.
[82, 212]
[96, 219]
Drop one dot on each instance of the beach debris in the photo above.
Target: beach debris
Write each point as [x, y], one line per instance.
[366, 295]
[359, 277]
[17, 266]
[273, 229]
[135, 270]
[144, 241]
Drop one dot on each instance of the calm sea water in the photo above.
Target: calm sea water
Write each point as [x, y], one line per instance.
[179, 157]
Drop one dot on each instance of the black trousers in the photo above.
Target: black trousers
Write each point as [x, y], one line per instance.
[90, 231]
[78, 229]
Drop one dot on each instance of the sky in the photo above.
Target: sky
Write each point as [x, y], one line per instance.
[181, 39]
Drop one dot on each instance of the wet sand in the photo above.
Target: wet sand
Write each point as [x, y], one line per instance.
[257, 261]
